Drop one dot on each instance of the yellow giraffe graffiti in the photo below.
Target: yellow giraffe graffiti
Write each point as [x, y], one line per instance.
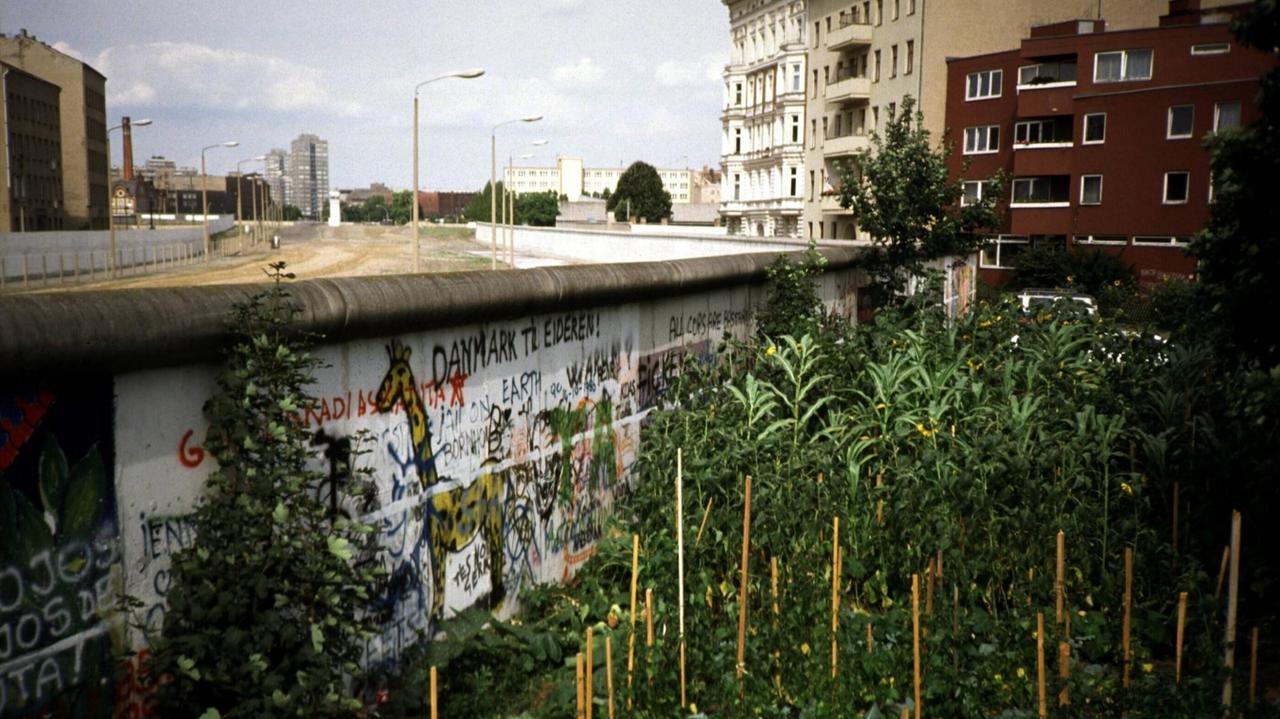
[457, 516]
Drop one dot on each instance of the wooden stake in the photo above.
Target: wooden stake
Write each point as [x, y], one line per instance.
[581, 708]
[648, 618]
[879, 503]
[1128, 617]
[1253, 668]
[435, 707]
[1233, 595]
[938, 576]
[608, 671]
[1182, 623]
[1222, 572]
[871, 639]
[680, 562]
[589, 691]
[1044, 711]
[1064, 673]
[835, 591]
[915, 638]
[742, 589]
[1059, 582]
[706, 514]
[773, 585]
[631, 639]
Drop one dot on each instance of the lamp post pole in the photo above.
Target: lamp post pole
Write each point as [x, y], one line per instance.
[462, 74]
[509, 190]
[240, 194]
[204, 191]
[493, 186]
[111, 212]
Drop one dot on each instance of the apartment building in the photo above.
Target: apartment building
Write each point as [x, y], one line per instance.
[570, 178]
[763, 124]
[1102, 135]
[32, 157]
[308, 172]
[82, 130]
[277, 173]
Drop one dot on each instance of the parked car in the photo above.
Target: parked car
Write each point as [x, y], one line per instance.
[1033, 300]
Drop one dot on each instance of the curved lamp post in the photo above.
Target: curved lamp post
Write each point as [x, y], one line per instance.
[510, 192]
[112, 265]
[204, 191]
[465, 75]
[240, 192]
[493, 185]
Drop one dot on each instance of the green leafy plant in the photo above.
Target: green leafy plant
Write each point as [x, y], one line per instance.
[266, 612]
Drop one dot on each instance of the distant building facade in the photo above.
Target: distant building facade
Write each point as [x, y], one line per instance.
[277, 174]
[444, 205]
[1101, 135]
[33, 161]
[82, 129]
[308, 186]
[571, 179]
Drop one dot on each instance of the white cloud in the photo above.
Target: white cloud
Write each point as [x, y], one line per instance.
[563, 6]
[66, 49]
[176, 74]
[584, 73]
[687, 73]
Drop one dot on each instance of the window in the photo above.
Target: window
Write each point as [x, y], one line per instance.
[826, 77]
[811, 185]
[1181, 121]
[738, 102]
[1211, 48]
[795, 128]
[1095, 128]
[813, 91]
[1036, 132]
[974, 191]
[979, 140]
[911, 57]
[1047, 73]
[737, 141]
[1091, 189]
[875, 118]
[1166, 240]
[879, 11]
[1177, 187]
[1123, 65]
[893, 65]
[813, 133]
[795, 181]
[877, 75]
[893, 111]
[737, 187]
[1226, 115]
[897, 7]
[983, 85]
[911, 7]
[1041, 191]
[817, 30]
[1101, 240]
[1002, 252]
[796, 76]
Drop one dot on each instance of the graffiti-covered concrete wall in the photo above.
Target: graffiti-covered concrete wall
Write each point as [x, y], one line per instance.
[501, 443]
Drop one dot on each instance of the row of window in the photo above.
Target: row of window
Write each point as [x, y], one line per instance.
[862, 16]
[1002, 252]
[1055, 191]
[1180, 125]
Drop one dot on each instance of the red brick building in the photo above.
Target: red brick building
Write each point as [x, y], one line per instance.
[1101, 135]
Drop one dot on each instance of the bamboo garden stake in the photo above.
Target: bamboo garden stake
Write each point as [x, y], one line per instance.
[742, 589]
[648, 618]
[1059, 582]
[1222, 572]
[1128, 618]
[680, 561]
[706, 514]
[879, 503]
[835, 590]
[631, 639]
[915, 638]
[589, 690]
[435, 706]
[578, 677]
[1233, 595]
[1044, 711]
[1182, 623]
[1064, 672]
[608, 671]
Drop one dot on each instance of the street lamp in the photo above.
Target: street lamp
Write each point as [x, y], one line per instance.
[204, 191]
[240, 192]
[493, 184]
[111, 213]
[510, 192]
[462, 74]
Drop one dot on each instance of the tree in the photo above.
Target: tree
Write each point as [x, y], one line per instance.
[539, 209]
[267, 609]
[375, 209]
[643, 187]
[1239, 250]
[479, 209]
[289, 213]
[402, 207]
[606, 193]
[905, 200]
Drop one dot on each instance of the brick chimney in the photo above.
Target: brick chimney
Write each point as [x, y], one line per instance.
[127, 163]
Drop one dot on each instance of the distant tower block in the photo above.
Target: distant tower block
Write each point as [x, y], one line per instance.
[335, 210]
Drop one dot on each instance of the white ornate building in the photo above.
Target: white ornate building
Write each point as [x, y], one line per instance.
[762, 149]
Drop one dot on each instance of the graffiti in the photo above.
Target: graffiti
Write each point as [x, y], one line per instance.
[59, 556]
[190, 455]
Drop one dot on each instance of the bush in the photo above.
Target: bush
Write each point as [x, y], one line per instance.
[266, 613]
[1101, 274]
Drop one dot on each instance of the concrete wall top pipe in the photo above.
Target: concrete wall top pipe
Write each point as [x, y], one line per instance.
[124, 330]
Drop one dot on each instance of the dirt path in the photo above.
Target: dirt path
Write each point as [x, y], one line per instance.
[314, 251]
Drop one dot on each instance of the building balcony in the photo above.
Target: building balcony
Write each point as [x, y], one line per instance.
[1046, 100]
[849, 90]
[775, 205]
[846, 145]
[850, 34]
[1042, 159]
[831, 206]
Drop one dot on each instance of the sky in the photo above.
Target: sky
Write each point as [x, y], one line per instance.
[615, 81]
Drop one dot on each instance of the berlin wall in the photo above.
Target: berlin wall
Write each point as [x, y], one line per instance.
[526, 378]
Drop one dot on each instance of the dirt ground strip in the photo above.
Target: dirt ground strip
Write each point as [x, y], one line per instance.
[314, 251]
